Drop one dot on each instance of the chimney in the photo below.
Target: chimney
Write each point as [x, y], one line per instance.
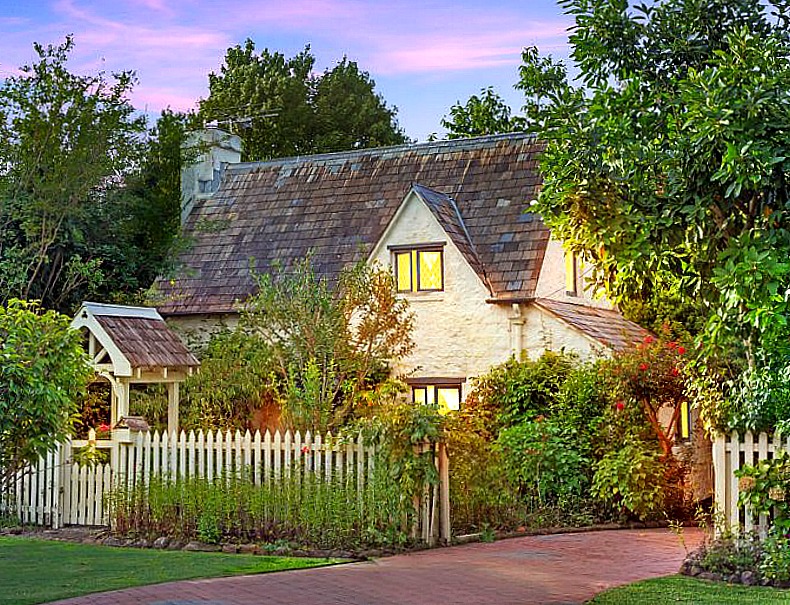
[208, 151]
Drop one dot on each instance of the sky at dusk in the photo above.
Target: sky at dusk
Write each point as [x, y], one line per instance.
[424, 55]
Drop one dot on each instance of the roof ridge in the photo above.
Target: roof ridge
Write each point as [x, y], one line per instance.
[460, 144]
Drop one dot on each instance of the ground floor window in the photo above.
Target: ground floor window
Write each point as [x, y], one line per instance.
[443, 394]
[685, 421]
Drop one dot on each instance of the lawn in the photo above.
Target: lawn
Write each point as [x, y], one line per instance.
[37, 571]
[682, 589]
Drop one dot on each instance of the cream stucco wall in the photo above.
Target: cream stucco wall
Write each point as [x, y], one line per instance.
[551, 282]
[457, 333]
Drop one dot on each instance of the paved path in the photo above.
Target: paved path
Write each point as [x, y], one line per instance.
[558, 569]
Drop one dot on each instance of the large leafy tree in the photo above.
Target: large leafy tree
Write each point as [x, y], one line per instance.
[65, 142]
[43, 369]
[280, 107]
[668, 166]
[481, 115]
[89, 201]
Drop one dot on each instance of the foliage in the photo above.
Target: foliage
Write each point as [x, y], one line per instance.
[481, 492]
[760, 400]
[667, 169]
[89, 202]
[765, 488]
[66, 142]
[236, 377]
[328, 344]
[631, 477]
[43, 370]
[775, 564]
[481, 115]
[545, 464]
[523, 446]
[651, 376]
[522, 389]
[304, 508]
[404, 435]
[73, 570]
[280, 107]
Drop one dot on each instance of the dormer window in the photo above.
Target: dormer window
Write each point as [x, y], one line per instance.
[419, 268]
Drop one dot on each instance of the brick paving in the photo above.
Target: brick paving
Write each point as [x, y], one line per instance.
[557, 569]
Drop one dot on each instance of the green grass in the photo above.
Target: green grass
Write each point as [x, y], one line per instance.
[37, 571]
[682, 589]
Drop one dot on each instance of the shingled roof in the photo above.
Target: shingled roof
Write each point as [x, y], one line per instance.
[606, 326]
[338, 205]
[133, 337]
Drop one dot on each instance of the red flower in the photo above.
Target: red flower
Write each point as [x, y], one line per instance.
[305, 449]
[620, 406]
[649, 339]
[681, 350]
[103, 428]
[643, 366]
[671, 344]
[675, 372]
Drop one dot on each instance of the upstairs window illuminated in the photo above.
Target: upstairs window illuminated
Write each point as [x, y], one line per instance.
[447, 397]
[419, 270]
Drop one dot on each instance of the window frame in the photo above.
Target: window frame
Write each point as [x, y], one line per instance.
[434, 384]
[414, 251]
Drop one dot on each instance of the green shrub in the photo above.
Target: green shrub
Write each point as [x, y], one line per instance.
[523, 389]
[631, 477]
[481, 491]
[542, 461]
[775, 563]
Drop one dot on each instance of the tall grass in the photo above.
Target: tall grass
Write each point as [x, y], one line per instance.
[334, 512]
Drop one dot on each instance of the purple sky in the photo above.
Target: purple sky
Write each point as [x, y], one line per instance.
[424, 55]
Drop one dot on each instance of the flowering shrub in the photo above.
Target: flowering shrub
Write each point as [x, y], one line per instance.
[651, 376]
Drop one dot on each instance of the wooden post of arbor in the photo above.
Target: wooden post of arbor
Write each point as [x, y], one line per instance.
[172, 407]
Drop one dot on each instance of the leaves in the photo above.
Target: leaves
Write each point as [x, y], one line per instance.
[668, 172]
[43, 370]
[280, 107]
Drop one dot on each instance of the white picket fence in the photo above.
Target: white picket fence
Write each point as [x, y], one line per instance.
[58, 491]
[730, 453]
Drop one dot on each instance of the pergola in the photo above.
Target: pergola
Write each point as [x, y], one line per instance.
[133, 345]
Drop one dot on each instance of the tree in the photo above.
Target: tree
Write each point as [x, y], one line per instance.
[328, 343]
[66, 141]
[668, 170]
[486, 114]
[43, 370]
[280, 108]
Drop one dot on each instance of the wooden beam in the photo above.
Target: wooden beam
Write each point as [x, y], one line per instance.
[172, 408]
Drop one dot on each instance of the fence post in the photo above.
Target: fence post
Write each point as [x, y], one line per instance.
[444, 494]
[720, 478]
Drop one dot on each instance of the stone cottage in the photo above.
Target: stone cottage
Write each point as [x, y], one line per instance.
[482, 274]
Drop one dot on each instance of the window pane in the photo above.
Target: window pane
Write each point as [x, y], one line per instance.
[685, 433]
[418, 394]
[570, 273]
[430, 270]
[449, 398]
[403, 271]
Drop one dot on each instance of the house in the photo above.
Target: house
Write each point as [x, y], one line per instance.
[451, 218]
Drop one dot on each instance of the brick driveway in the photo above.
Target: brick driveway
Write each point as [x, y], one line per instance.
[563, 568]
